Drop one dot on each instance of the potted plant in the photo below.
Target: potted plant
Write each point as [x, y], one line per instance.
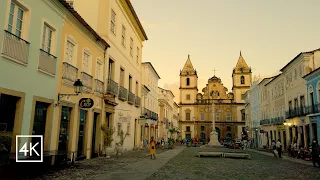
[121, 142]
[108, 139]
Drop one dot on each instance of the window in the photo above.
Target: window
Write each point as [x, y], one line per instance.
[290, 105]
[121, 77]
[131, 46]
[242, 79]
[300, 71]
[113, 22]
[228, 116]
[46, 38]
[85, 62]
[243, 115]
[188, 128]
[69, 52]
[217, 116]
[202, 128]
[130, 84]
[138, 54]
[98, 70]
[295, 74]
[295, 104]
[128, 128]
[188, 96]
[137, 88]
[202, 115]
[123, 37]
[228, 128]
[188, 81]
[187, 115]
[110, 70]
[119, 129]
[16, 17]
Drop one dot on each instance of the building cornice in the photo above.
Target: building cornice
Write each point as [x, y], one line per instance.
[217, 104]
[128, 8]
[154, 70]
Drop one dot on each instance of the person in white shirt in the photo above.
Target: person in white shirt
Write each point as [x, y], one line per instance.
[279, 148]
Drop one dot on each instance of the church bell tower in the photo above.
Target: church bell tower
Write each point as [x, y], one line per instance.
[241, 79]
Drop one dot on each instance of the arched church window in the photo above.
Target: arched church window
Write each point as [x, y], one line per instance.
[242, 79]
[188, 81]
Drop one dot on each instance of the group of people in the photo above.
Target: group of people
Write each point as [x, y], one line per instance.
[154, 145]
[277, 148]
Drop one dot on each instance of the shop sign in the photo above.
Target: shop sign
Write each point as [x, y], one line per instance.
[86, 103]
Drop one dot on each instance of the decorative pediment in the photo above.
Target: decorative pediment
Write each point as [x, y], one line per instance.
[187, 110]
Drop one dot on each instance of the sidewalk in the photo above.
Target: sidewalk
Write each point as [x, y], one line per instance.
[300, 161]
[142, 169]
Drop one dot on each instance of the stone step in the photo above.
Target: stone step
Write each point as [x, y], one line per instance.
[210, 154]
[237, 155]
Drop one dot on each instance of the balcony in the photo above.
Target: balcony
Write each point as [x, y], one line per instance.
[265, 122]
[298, 111]
[15, 47]
[149, 114]
[98, 86]
[131, 97]
[47, 62]
[87, 80]
[69, 72]
[137, 101]
[112, 87]
[123, 94]
[313, 109]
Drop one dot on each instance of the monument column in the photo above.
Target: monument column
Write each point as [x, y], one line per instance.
[213, 135]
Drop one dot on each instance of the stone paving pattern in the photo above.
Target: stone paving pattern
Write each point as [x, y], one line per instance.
[187, 165]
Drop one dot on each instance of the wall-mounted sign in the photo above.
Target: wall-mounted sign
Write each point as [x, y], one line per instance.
[86, 103]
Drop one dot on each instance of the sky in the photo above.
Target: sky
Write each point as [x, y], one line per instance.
[269, 34]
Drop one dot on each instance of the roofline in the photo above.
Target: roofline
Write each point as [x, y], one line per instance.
[152, 68]
[310, 73]
[83, 22]
[136, 18]
[263, 80]
[297, 57]
[167, 90]
[274, 77]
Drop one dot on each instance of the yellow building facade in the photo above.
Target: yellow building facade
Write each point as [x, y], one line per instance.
[77, 131]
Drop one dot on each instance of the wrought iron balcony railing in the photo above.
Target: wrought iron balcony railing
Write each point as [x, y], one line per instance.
[131, 97]
[150, 114]
[87, 80]
[69, 72]
[313, 109]
[137, 101]
[15, 47]
[98, 86]
[47, 62]
[112, 87]
[123, 94]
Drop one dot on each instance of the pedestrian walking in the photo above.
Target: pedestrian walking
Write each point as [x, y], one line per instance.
[162, 143]
[152, 148]
[273, 146]
[279, 148]
[315, 154]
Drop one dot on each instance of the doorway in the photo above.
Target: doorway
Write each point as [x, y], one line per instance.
[39, 125]
[302, 135]
[94, 130]
[8, 113]
[80, 152]
[314, 131]
[307, 134]
[64, 130]
[284, 140]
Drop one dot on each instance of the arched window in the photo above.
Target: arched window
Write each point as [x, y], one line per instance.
[242, 79]
[188, 81]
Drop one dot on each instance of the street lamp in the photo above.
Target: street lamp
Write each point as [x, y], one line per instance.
[77, 90]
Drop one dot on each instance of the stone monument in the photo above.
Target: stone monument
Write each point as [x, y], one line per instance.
[213, 135]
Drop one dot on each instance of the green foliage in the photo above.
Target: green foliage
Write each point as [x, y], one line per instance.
[108, 134]
[122, 137]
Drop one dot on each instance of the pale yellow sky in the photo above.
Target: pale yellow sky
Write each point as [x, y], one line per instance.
[268, 32]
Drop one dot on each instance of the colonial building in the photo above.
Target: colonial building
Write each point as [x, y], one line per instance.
[249, 124]
[295, 96]
[166, 111]
[78, 129]
[146, 126]
[29, 58]
[175, 120]
[117, 22]
[196, 110]
[312, 106]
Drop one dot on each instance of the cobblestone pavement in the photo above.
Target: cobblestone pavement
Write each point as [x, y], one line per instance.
[91, 168]
[187, 166]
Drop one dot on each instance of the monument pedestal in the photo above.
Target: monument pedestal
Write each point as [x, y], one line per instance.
[214, 139]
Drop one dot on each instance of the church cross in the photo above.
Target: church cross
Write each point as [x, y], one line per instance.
[188, 56]
[214, 72]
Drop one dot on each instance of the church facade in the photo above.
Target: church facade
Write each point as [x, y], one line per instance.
[197, 110]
